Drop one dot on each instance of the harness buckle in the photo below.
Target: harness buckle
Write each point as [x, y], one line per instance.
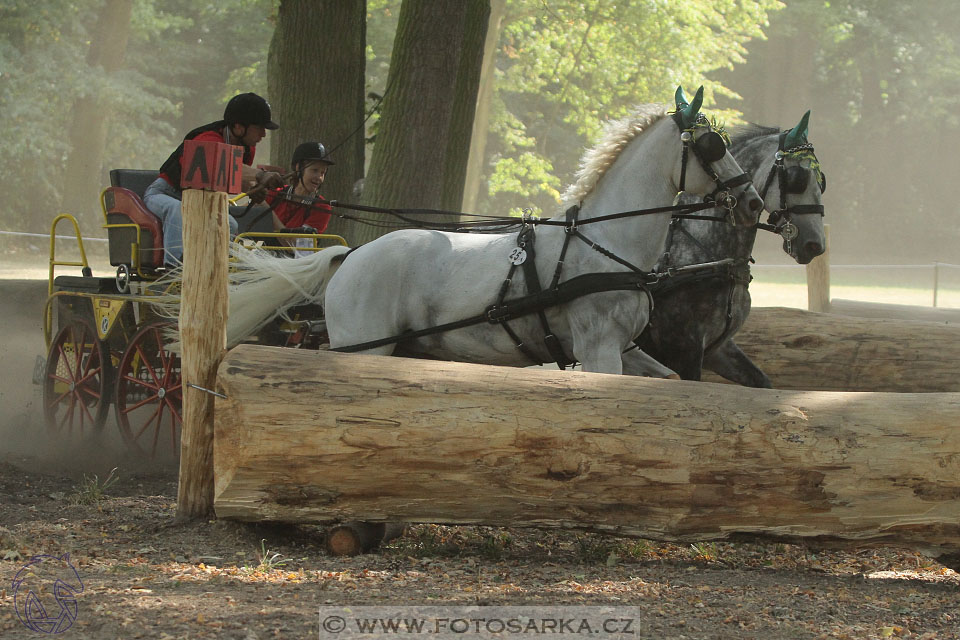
[495, 314]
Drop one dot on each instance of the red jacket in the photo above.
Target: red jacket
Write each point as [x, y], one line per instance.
[295, 214]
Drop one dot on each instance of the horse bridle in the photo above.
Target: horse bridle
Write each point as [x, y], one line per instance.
[788, 182]
[708, 148]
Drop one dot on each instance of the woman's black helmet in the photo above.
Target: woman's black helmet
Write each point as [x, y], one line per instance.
[309, 152]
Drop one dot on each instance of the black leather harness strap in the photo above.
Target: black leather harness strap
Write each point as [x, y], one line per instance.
[525, 241]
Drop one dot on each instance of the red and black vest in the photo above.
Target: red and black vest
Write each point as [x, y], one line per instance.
[170, 169]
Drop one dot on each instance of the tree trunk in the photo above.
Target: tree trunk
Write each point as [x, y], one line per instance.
[322, 436]
[481, 122]
[88, 133]
[824, 352]
[316, 88]
[420, 157]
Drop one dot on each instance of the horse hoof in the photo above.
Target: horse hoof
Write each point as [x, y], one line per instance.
[673, 376]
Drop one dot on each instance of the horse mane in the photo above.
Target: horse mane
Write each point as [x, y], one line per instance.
[742, 135]
[616, 135]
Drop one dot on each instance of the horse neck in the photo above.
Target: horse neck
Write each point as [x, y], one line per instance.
[695, 242]
[640, 178]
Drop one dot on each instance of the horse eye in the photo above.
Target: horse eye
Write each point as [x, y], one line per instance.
[823, 182]
[711, 146]
[797, 179]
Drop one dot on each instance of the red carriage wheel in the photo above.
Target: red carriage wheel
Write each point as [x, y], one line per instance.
[76, 381]
[149, 394]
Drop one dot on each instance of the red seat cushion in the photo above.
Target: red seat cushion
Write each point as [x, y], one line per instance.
[122, 206]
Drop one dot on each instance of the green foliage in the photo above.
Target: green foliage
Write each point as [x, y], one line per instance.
[91, 490]
[877, 76]
[183, 61]
[565, 67]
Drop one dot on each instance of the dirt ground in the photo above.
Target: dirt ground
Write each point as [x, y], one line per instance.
[145, 577]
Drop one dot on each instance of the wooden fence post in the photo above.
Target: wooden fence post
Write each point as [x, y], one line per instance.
[203, 321]
[818, 277]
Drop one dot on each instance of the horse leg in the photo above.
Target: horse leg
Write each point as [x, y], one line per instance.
[602, 361]
[679, 351]
[733, 364]
[637, 363]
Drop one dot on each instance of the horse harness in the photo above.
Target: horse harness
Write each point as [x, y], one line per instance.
[792, 180]
[736, 270]
[709, 147]
[538, 299]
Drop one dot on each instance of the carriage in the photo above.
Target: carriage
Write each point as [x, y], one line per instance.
[106, 339]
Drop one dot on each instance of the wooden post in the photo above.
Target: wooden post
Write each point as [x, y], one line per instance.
[936, 282]
[818, 277]
[203, 321]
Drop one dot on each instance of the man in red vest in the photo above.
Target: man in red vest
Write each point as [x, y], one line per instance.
[245, 122]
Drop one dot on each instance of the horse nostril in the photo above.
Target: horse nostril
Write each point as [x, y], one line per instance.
[755, 204]
[813, 249]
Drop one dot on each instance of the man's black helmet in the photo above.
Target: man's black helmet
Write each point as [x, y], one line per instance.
[310, 151]
[249, 108]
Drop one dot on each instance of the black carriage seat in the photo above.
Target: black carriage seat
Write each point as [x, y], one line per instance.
[123, 204]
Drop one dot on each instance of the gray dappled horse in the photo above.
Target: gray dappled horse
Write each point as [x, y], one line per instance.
[693, 324]
[414, 279]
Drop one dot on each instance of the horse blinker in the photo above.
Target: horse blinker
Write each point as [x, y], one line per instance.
[711, 147]
[797, 179]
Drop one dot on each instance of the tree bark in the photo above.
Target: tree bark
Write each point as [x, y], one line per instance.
[825, 352]
[316, 87]
[327, 436]
[88, 133]
[420, 158]
[473, 181]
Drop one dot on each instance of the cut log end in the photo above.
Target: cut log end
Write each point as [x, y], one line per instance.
[354, 538]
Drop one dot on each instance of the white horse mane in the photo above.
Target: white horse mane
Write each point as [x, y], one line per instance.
[616, 135]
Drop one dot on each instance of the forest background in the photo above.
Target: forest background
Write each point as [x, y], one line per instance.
[484, 106]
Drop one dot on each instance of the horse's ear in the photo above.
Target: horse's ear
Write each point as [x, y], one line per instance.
[798, 135]
[680, 98]
[688, 112]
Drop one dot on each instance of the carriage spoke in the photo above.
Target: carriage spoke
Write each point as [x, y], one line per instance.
[144, 402]
[149, 421]
[149, 366]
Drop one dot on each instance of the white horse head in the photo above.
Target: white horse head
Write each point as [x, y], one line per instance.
[700, 164]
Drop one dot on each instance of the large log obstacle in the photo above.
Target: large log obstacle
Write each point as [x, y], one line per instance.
[326, 437]
[886, 311]
[826, 352]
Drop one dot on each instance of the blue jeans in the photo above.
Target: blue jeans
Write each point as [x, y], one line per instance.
[163, 200]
